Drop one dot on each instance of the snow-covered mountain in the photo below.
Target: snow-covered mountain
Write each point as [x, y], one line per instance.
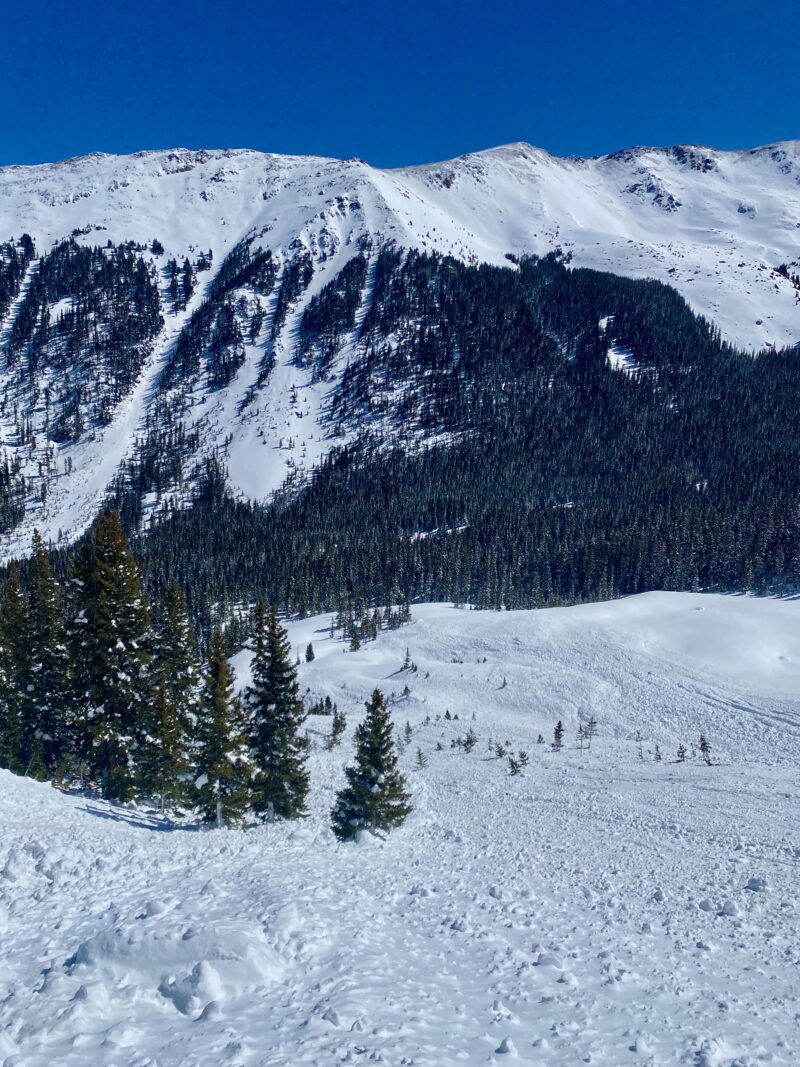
[715, 225]
[602, 907]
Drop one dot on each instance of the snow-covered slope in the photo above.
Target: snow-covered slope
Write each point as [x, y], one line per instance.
[600, 908]
[713, 224]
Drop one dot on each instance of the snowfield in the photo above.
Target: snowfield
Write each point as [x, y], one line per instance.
[599, 908]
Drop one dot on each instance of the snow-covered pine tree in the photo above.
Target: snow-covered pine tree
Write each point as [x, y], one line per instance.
[221, 762]
[5, 719]
[375, 797]
[705, 750]
[338, 727]
[175, 660]
[275, 714]
[44, 734]
[309, 653]
[115, 619]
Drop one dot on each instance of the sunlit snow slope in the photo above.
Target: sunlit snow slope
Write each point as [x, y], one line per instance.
[715, 225]
[600, 908]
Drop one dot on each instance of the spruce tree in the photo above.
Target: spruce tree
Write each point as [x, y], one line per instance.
[375, 797]
[44, 734]
[558, 735]
[175, 664]
[275, 714]
[115, 620]
[15, 624]
[81, 597]
[221, 765]
[163, 763]
[705, 750]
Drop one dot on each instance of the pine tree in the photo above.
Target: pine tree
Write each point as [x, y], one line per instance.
[705, 750]
[44, 735]
[175, 664]
[275, 714]
[375, 797]
[681, 754]
[14, 669]
[338, 726]
[163, 763]
[221, 782]
[591, 730]
[309, 653]
[558, 735]
[115, 620]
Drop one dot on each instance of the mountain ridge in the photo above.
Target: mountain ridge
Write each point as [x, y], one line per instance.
[266, 237]
[788, 144]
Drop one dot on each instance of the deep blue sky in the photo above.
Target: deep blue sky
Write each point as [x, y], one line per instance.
[394, 82]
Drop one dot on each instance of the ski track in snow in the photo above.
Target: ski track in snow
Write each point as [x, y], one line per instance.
[597, 909]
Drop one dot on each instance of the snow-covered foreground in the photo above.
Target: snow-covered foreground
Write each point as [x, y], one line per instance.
[598, 909]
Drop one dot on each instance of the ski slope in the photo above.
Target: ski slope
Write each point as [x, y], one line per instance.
[600, 908]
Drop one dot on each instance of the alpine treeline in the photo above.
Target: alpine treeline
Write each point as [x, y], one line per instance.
[486, 449]
[98, 687]
[496, 456]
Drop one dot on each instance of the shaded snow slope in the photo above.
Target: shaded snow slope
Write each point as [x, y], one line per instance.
[598, 909]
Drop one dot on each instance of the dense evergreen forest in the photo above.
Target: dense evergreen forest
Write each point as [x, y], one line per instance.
[101, 689]
[487, 450]
[501, 460]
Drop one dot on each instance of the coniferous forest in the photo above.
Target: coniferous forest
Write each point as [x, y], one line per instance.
[99, 689]
[484, 447]
[496, 457]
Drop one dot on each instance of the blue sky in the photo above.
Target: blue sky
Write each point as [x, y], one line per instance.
[393, 82]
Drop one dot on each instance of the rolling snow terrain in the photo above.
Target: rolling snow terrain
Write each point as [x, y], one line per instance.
[715, 225]
[600, 908]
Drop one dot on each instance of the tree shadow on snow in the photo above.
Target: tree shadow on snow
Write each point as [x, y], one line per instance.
[140, 819]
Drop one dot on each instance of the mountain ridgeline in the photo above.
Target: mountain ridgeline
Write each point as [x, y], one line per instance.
[511, 436]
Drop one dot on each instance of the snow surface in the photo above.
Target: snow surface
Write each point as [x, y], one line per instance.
[597, 909]
[713, 224]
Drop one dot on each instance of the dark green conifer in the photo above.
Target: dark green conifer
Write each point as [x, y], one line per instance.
[44, 734]
[221, 766]
[163, 765]
[275, 714]
[558, 735]
[375, 797]
[114, 619]
[14, 651]
[175, 664]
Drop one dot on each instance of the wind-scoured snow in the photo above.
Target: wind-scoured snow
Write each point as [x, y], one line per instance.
[600, 908]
